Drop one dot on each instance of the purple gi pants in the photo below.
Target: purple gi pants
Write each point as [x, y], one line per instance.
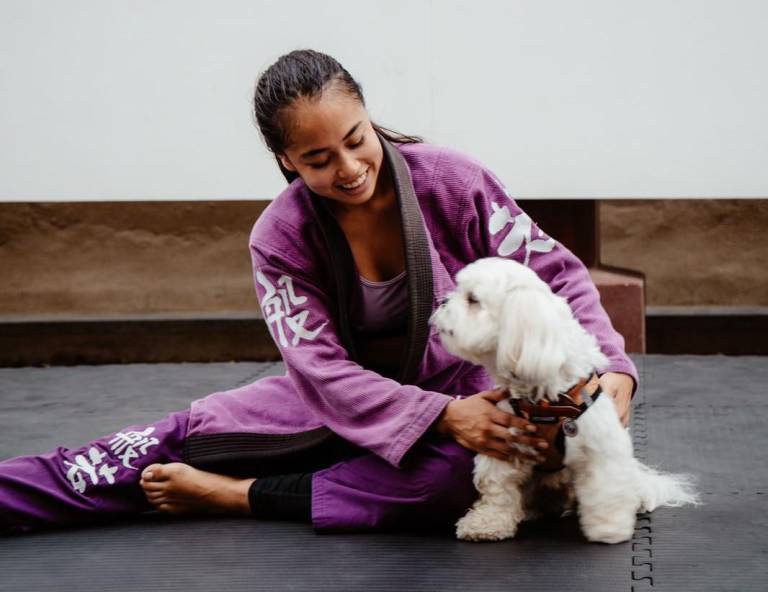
[100, 481]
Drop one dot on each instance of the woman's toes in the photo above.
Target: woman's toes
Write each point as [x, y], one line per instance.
[154, 472]
[156, 497]
[173, 507]
[151, 486]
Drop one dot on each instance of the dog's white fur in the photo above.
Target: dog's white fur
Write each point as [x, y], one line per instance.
[504, 317]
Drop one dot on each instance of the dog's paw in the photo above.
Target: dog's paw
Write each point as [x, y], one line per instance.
[486, 524]
[602, 530]
[610, 537]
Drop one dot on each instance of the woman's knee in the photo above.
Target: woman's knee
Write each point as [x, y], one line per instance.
[443, 475]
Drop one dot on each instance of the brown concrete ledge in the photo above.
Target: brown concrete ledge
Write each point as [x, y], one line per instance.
[622, 294]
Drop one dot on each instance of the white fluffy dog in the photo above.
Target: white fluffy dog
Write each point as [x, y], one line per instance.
[504, 317]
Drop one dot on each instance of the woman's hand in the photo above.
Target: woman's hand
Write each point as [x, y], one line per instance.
[618, 386]
[477, 424]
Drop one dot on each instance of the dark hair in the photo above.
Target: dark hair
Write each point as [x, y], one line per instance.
[302, 73]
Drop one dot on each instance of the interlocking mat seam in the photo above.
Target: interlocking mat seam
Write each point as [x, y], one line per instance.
[642, 539]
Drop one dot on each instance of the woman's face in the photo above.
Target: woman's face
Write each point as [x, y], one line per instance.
[334, 148]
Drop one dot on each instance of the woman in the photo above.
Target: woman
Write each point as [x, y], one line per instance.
[374, 424]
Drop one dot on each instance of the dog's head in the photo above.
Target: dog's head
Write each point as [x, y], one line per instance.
[503, 316]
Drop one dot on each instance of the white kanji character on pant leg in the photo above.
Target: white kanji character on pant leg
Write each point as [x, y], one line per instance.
[82, 465]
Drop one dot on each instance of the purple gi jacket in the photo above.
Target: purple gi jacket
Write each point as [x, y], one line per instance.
[459, 212]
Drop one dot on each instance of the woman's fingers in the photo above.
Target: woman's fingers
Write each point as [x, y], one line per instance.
[494, 395]
[498, 450]
[516, 444]
[625, 417]
[495, 447]
[512, 421]
[514, 435]
[506, 450]
[535, 443]
[503, 446]
[619, 386]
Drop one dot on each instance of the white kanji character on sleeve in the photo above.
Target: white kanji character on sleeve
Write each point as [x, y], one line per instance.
[519, 234]
[272, 308]
[277, 306]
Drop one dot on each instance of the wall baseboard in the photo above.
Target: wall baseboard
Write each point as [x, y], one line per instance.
[707, 330]
[152, 339]
[56, 341]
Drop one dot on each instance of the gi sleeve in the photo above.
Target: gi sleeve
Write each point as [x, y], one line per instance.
[359, 405]
[502, 229]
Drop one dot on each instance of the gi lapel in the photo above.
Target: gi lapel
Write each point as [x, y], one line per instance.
[417, 261]
[270, 454]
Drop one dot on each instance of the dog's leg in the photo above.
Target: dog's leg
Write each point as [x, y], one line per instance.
[498, 511]
[604, 475]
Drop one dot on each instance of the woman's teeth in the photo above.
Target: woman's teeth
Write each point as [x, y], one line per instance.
[357, 182]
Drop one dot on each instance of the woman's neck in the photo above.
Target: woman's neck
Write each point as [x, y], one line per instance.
[374, 233]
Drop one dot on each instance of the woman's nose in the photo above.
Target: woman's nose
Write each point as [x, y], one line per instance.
[347, 168]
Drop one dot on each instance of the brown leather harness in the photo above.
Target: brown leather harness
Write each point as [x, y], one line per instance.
[556, 420]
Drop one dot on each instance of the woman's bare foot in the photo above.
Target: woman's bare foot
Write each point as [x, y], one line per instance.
[178, 488]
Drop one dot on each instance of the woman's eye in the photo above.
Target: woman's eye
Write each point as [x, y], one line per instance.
[319, 165]
[358, 143]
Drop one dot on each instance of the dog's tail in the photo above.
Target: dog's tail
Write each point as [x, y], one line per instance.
[665, 489]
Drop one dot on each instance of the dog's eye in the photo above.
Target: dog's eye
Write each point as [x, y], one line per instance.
[471, 298]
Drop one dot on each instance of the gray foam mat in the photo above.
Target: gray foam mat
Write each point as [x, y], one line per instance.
[697, 414]
[706, 416]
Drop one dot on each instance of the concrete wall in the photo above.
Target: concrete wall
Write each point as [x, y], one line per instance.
[126, 258]
[693, 253]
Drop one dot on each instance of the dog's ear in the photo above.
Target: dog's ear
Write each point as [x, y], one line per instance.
[531, 340]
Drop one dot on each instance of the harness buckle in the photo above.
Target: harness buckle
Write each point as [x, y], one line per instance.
[570, 427]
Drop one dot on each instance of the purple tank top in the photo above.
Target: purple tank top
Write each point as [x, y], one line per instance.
[385, 304]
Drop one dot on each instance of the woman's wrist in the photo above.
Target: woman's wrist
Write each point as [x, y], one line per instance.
[442, 425]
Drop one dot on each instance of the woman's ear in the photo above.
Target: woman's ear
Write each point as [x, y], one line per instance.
[286, 162]
[530, 341]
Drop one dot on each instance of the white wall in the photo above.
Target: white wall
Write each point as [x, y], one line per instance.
[150, 99]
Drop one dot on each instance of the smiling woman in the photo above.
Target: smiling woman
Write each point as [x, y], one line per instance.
[345, 170]
[304, 76]
[339, 441]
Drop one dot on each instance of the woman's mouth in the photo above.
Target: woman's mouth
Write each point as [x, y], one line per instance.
[356, 185]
